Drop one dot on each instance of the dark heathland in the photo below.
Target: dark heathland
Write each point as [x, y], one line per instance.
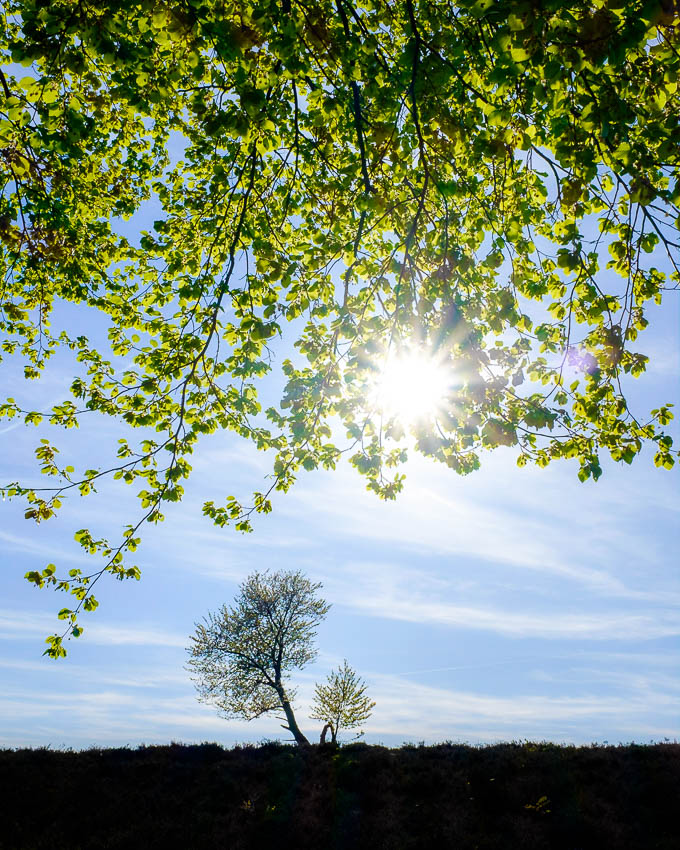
[519, 795]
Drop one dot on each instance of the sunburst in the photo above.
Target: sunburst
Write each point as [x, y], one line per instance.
[412, 386]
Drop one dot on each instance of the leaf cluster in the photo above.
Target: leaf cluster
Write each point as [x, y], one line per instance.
[495, 184]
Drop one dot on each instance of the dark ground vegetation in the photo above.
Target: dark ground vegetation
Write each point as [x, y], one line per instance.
[358, 796]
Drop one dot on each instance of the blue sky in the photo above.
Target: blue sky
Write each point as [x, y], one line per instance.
[511, 604]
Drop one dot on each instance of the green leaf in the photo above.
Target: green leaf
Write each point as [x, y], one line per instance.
[462, 189]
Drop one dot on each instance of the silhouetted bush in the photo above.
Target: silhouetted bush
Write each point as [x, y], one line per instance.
[358, 796]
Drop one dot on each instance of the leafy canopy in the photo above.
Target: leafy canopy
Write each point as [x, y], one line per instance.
[493, 184]
[342, 702]
[241, 656]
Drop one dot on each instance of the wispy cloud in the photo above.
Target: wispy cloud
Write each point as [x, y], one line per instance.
[501, 555]
[25, 544]
[388, 590]
[405, 710]
[429, 713]
[19, 625]
[592, 548]
[130, 677]
[631, 681]
[113, 717]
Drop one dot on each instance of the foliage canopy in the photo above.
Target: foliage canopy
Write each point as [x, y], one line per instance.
[241, 655]
[493, 183]
[342, 702]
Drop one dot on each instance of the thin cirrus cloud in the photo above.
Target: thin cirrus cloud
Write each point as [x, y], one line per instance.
[665, 687]
[405, 710]
[540, 530]
[112, 716]
[426, 522]
[129, 703]
[603, 550]
[130, 677]
[449, 515]
[28, 546]
[577, 570]
[392, 593]
[20, 625]
[413, 708]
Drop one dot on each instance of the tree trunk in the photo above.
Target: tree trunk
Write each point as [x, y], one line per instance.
[290, 717]
[322, 739]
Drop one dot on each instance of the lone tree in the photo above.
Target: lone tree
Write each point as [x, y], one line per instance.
[240, 656]
[341, 703]
[492, 184]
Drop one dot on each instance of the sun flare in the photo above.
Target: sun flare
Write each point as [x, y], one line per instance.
[412, 386]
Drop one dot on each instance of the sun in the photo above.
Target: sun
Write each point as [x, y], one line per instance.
[412, 386]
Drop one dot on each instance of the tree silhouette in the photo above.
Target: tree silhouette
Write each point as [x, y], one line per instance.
[240, 656]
